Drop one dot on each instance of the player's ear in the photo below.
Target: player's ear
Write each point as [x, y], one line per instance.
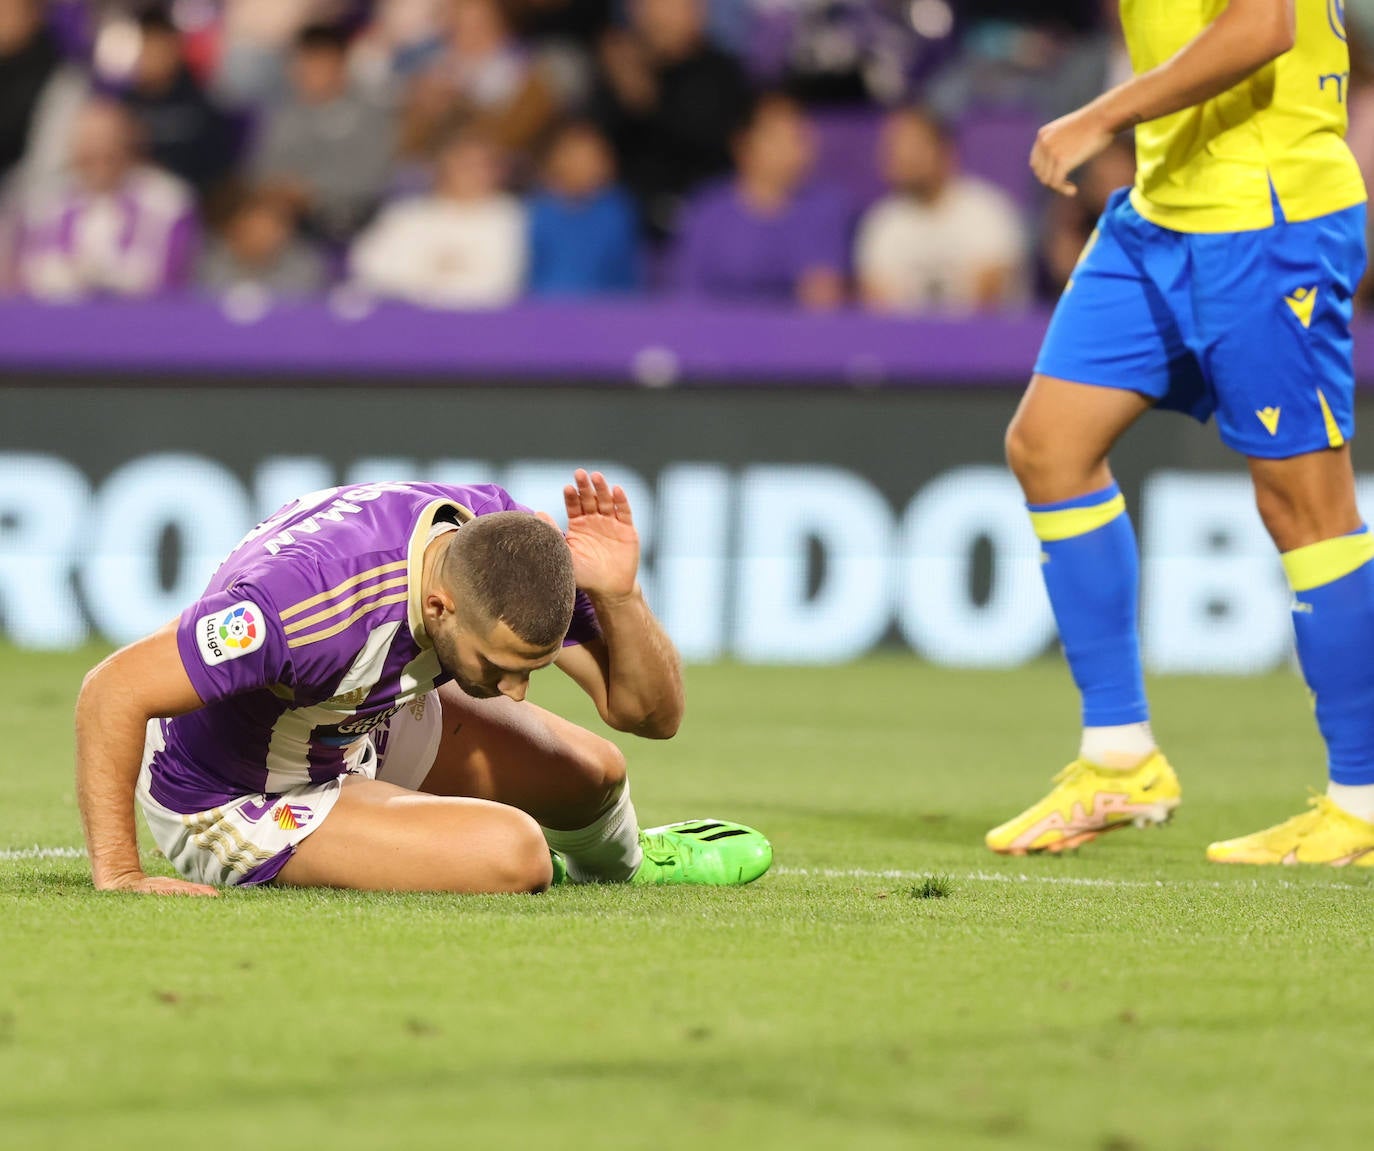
[437, 605]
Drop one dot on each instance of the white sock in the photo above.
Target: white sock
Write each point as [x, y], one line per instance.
[1357, 799]
[1121, 747]
[608, 850]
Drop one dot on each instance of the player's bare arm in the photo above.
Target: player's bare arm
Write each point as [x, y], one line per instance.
[633, 674]
[143, 681]
[1246, 36]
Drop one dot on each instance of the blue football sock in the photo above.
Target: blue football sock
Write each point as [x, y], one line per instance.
[1092, 573]
[1333, 617]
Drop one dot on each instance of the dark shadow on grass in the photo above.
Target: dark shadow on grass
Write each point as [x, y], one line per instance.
[927, 826]
[695, 1076]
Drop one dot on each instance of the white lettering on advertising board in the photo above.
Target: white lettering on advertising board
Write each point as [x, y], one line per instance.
[765, 563]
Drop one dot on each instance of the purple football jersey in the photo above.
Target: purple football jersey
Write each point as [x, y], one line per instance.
[309, 637]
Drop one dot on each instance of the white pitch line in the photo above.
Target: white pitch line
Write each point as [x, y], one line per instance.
[20, 854]
[1051, 880]
[972, 876]
[35, 853]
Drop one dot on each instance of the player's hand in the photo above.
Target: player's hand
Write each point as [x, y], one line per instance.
[602, 535]
[139, 884]
[1064, 144]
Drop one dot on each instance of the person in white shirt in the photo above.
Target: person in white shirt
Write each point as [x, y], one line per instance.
[462, 246]
[940, 241]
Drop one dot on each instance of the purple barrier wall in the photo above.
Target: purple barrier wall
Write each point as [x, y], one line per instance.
[608, 344]
[603, 343]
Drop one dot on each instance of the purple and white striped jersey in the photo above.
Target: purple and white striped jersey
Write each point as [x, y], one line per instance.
[310, 636]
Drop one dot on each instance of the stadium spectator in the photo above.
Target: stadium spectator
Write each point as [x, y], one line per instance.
[485, 77]
[464, 245]
[255, 44]
[41, 94]
[182, 130]
[1050, 55]
[939, 240]
[583, 228]
[257, 247]
[112, 225]
[850, 52]
[402, 38]
[29, 58]
[769, 235]
[570, 21]
[563, 35]
[326, 148]
[670, 103]
[1070, 220]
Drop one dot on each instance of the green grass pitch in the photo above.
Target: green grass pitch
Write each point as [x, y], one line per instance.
[889, 985]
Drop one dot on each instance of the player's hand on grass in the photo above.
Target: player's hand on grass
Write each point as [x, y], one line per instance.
[139, 884]
[1065, 144]
[602, 536]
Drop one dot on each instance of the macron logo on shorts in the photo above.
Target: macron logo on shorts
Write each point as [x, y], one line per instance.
[1301, 303]
[228, 634]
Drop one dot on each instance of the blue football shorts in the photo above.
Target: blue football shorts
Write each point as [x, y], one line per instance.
[1253, 327]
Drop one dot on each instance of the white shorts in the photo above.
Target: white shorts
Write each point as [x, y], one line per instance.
[248, 840]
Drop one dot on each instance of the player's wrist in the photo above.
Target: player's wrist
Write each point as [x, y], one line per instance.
[1114, 111]
[115, 875]
[614, 599]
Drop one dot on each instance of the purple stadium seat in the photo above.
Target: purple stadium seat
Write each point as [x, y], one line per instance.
[848, 146]
[995, 143]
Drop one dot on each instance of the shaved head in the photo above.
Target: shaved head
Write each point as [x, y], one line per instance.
[512, 568]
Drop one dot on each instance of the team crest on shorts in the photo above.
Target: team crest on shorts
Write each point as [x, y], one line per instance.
[291, 816]
[230, 633]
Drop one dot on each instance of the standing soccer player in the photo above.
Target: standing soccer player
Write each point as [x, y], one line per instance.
[1220, 284]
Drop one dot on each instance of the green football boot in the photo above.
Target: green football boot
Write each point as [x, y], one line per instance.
[560, 870]
[709, 852]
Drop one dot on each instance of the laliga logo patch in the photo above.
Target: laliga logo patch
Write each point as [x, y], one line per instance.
[1335, 16]
[230, 633]
[239, 628]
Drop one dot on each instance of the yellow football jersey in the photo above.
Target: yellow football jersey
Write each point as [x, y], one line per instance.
[1209, 168]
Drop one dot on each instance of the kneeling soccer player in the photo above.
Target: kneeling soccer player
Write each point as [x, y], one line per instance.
[344, 707]
[1221, 284]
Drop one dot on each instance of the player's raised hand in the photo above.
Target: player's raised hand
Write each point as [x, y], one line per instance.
[1064, 144]
[601, 534]
[139, 884]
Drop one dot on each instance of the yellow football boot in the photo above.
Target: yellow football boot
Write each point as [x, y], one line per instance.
[1324, 834]
[1088, 800]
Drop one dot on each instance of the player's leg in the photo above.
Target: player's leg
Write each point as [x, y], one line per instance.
[1308, 505]
[1112, 331]
[1285, 388]
[380, 837]
[523, 755]
[570, 780]
[1058, 440]
[573, 782]
[1057, 447]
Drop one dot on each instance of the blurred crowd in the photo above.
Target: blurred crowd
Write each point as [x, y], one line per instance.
[467, 153]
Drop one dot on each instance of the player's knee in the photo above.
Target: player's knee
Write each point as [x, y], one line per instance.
[523, 865]
[1028, 454]
[608, 765]
[1278, 514]
[603, 770]
[1294, 522]
[1047, 465]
